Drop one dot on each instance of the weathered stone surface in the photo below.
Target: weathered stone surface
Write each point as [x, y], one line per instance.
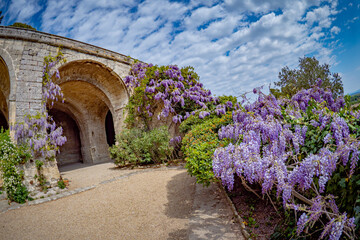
[49, 170]
[91, 80]
[92, 84]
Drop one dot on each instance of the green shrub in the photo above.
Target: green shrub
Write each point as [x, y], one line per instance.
[12, 155]
[61, 184]
[199, 144]
[136, 146]
[193, 120]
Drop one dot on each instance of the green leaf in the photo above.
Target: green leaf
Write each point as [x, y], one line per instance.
[342, 183]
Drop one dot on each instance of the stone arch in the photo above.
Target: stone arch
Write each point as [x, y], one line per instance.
[82, 116]
[92, 93]
[7, 88]
[102, 77]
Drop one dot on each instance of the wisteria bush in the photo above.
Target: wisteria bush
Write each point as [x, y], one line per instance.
[221, 105]
[300, 148]
[164, 91]
[39, 131]
[37, 137]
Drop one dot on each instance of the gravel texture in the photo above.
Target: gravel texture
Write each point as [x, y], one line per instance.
[160, 203]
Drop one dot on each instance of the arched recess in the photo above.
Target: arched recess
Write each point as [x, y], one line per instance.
[70, 152]
[91, 92]
[4, 94]
[7, 88]
[109, 127]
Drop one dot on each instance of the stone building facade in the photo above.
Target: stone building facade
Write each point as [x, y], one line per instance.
[91, 80]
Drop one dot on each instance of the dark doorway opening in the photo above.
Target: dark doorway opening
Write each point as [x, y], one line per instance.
[109, 127]
[3, 122]
[70, 152]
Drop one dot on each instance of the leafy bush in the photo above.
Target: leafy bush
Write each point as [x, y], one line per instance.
[22, 25]
[199, 144]
[136, 146]
[12, 155]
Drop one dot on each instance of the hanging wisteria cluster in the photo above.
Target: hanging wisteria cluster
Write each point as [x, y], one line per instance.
[40, 131]
[175, 90]
[270, 146]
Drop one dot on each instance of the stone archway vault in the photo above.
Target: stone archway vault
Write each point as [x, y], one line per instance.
[91, 92]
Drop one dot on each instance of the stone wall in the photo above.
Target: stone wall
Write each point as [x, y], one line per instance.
[91, 81]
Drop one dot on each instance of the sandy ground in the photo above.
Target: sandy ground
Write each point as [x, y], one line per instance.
[160, 203]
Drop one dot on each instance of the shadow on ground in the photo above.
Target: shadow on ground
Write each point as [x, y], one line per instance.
[180, 195]
[205, 208]
[211, 217]
[79, 165]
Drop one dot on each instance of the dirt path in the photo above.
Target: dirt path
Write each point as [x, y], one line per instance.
[159, 203]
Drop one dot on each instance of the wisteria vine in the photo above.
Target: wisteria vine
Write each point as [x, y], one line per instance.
[176, 92]
[273, 144]
[39, 131]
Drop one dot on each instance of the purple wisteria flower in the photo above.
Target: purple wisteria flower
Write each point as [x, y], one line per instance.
[270, 146]
[39, 132]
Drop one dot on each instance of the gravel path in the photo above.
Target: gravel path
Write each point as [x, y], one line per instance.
[162, 203]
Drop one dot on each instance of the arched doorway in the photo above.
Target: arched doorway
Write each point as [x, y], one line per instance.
[3, 122]
[109, 127]
[70, 152]
[4, 94]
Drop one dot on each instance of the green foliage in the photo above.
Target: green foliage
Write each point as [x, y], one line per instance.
[61, 184]
[310, 70]
[39, 164]
[200, 143]
[12, 155]
[40, 176]
[22, 25]
[355, 99]
[136, 146]
[193, 120]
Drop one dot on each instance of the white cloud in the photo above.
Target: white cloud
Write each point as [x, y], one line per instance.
[335, 30]
[22, 10]
[234, 46]
[256, 6]
[321, 16]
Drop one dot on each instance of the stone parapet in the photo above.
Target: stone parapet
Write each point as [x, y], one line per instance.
[58, 41]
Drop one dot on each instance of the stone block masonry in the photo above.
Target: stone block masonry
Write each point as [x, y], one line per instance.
[91, 80]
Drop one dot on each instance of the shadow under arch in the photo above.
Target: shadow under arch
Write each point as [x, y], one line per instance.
[4, 94]
[83, 118]
[109, 127]
[70, 152]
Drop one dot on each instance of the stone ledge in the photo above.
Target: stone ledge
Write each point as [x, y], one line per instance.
[58, 41]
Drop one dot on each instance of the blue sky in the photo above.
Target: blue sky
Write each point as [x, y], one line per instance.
[234, 45]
